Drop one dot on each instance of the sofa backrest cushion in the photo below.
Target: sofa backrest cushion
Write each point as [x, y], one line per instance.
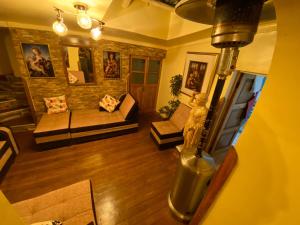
[180, 116]
[128, 106]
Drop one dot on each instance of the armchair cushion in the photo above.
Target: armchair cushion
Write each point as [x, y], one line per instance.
[180, 116]
[166, 129]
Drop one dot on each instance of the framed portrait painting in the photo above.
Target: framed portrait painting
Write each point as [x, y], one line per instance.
[38, 60]
[199, 71]
[111, 65]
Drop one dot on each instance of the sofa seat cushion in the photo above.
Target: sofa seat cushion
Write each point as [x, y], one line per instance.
[53, 128]
[72, 205]
[166, 129]
[83, 120]
[53, 124]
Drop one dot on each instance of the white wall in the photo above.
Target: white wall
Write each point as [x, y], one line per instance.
[264, 188]
[256, 57]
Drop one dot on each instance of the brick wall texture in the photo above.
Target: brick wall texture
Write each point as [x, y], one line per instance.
[78, 97]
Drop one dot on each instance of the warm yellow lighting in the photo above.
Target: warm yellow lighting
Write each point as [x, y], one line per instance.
[96, 33]
[84, 20]
[60, 28]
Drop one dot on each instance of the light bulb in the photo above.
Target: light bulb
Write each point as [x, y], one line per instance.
[83, 20]
[60, 28]
[96, 33]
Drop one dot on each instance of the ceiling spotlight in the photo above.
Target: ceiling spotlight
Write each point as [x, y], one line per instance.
[83, 19]
[58, 26]
[96, 32]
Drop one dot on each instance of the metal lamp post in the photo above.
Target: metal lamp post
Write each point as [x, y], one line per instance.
[235, 23]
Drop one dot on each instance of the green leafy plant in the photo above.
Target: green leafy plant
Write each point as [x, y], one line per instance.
[175, 86]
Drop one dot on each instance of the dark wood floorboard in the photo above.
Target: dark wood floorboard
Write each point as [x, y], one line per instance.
[131, 177]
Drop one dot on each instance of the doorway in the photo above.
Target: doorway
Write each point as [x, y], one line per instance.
[242, 94]
[144, 81]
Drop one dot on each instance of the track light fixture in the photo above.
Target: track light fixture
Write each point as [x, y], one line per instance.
[83, 20]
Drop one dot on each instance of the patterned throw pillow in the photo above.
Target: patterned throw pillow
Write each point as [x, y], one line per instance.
[109, 103]
[56, 104]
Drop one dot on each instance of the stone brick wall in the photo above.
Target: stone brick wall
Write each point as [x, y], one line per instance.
[79, 97]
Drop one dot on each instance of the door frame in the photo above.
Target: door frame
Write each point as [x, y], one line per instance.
[230, 105]
[146, 74]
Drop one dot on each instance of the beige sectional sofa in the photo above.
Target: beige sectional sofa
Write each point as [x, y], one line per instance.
[84, 125]
[71, 205]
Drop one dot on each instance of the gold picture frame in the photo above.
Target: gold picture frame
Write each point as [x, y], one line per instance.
[112, 67]
[37, 59]
[199, 71]
[93, 81]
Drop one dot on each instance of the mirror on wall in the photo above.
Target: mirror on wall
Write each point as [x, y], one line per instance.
[79, 65]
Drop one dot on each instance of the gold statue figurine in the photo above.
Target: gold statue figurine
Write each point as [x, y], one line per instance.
[194, 125]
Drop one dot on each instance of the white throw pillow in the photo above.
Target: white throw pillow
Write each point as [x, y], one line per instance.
[56, 104]
[109, 103]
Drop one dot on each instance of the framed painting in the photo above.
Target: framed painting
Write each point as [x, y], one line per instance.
[38, 60]
[199, 71]
[111, 65]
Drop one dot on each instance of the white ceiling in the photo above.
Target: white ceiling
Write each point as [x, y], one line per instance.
[144, 17]
[41, 12]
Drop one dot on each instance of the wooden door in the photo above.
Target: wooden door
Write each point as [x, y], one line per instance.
[151, 85]
[235, 113]
[137, 78]
[144, 80]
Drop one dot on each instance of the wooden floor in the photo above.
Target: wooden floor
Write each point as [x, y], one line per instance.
[131, 177]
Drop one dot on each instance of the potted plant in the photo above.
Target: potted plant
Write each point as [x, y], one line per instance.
[175, 85]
